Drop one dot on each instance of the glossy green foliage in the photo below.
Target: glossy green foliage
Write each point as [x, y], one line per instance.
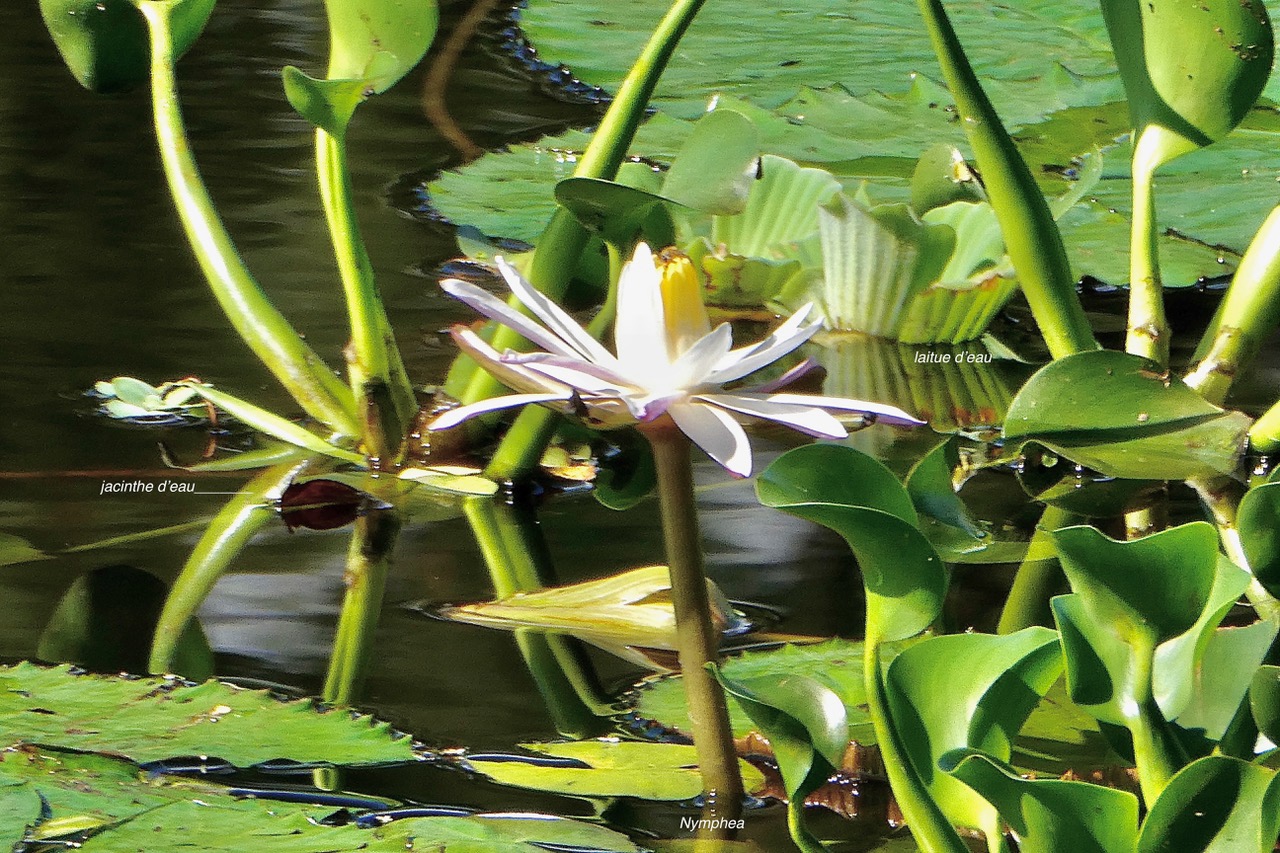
[1215, 805]
[1050, 815]
[1191, 70]
[372, 45]
[1264, 700]
[856, 496]
[1113, 412]
[151, 719]
[712, 173]
[1005, 677]
[1258, 521]
[803, 720]
[104, 42]
[931, 487]
[608, 768]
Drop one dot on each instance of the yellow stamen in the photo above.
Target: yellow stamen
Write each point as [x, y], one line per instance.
[685, 315]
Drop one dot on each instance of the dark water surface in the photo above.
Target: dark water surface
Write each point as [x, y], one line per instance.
[96, 281]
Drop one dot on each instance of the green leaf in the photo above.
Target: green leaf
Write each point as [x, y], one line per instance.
[104, 43]
[378, 41]
[1059, 737]
[835, 664]
[1049, 815]
[853, 494]
[1258, 521]
[1004, 679]
[150, 719]
[1111, 411]
[1215, 805]
[608, 768]
[1222, 677]
[929, 483]
[1191, 70]
[717, 164]
[617, 212]
[1264, 699]
[328, 104]
[781, 209]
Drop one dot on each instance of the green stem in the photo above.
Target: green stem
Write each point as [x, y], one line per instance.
[1148, 329]
[1264, 435]
[1156, 751]
[1030, 233]
[225, 537]
[800, 834]
[932, 832]
[368, 561]
[1221, 496]
[563, 240]
[315, 387]
[383, 393]
[697, 638]
[1037, 578]
[1249, 312]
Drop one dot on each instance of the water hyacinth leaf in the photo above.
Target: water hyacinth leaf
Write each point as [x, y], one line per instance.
[1051, 815]
[835, 664]
[152, 719]
[1113, 412]
[1097, 661]
[1156, 586]
[1264, 699]
[803, 720]
[1182, 671]
[607, 768]
[364, 33]
[1222, 679]
[1005, 678]
[1058, 737]
[717, 164]
[328, 104]
[1258, 521]
[929, 483]
[856, 496]
[104, 42]
[1217, 804]
[274, 425]
[1191, 71]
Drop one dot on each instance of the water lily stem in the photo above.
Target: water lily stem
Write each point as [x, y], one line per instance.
[368, 561]
[698, 640]
[1148, 329]
[384, 396]
[260, 325]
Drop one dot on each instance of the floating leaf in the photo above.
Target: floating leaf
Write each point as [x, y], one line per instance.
[1215, 805]
[607, 768]
[104, 43]
[1111, 411]
[150, 719]
[1049, 815]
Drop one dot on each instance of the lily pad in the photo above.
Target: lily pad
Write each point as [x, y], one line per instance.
[150, 719]
[608, 768]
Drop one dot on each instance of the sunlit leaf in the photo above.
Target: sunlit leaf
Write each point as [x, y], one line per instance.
[1258, 520]
[607, 768]
[1114, 413]
[1215, 805]
[1049, 815]
[150, 719]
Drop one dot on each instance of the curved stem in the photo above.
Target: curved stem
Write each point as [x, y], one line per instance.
[800, 834]
[1156, 751]
[1030, 233]
[383, 393]
[441, 69]
[697, 639]
[316, 388]
[1037, 578]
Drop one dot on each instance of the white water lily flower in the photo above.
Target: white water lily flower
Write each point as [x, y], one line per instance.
[669, 363]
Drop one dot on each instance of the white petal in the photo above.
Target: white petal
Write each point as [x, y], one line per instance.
[514, 376]
[640, 332]
[883, 412]
[809, 420]
[594, 369]
[717, 433]
[792, 375]
[495, 309]
[555, 317]
[453, 417]
[576, 377]
[695, 365]
[747, 360]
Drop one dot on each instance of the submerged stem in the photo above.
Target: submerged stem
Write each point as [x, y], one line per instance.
[697, 638]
